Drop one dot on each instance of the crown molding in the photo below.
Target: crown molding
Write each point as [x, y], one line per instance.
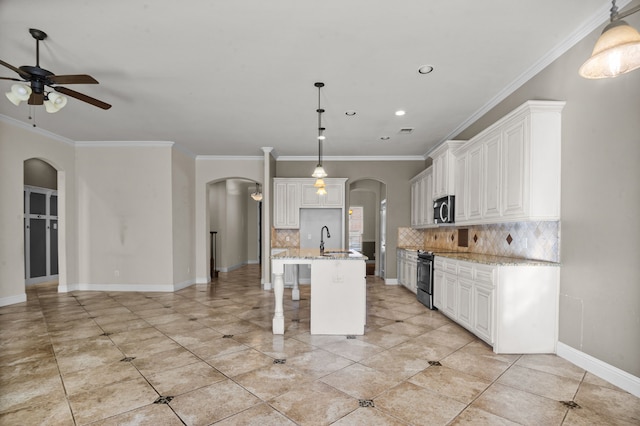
[38, 130]
[355, 158]
[230, 157]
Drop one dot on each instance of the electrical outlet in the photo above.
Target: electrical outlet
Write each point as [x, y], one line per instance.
[286, 238]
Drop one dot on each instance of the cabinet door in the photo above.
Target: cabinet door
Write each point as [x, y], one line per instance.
[439, 176]
[438, 289]
[491, 173]
[450, 296]
[286, 205]
[427, 199]
[483, 310]
[461, 184]
[416, 200]
[475, 183]
[465, 297]
[334, 196]
[515, 166]
[309, 196]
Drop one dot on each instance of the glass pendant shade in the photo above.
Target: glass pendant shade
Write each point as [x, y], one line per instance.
[54, 102]
[616, 52]
[257, 195]
[319, 183]
[319, 172]
[321, 191]
[18, 93]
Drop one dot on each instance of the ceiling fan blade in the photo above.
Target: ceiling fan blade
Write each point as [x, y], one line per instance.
[73, 79]
[36, 99]
[82, 97]
[10, 78]
[22, 73]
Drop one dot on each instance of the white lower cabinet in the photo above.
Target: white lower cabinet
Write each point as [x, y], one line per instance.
[408, 269]
[513, 307]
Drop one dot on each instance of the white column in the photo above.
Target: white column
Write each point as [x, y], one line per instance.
[295, 293]
[278, 291]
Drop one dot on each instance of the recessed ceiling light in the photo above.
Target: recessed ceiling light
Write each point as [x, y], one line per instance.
[350, 113]
[425, 69]
[400, 112]
[384, 138]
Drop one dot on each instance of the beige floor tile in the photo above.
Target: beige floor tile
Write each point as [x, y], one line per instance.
[451, 383]
[148, 346]
[551, 364]
[111, 400]
[272, 380]
[353, 349]
[123, 325]
[283, 348]
[176, 381]
[318, 363]
[314, 404]
[397, 364]
[72, 347]
[212, 403]
[480, 348]
[45, 410]
[383, 338]
[88, 359]
[431, 319]
[540, 383]
[406, 329]
[520, 407]
[417, 405]
[217, 347]
[587, 417]
[17, 393]
[368, 416]
[360, 381]
[240, 362]
[444, 337]
[152, 414]
[475, 417]
[259, 415]
[97, 377]
[161, 361]
[609, 402]
[199, 337]
[479, 366]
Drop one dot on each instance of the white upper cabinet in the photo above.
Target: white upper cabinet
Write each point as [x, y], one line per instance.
[292, 194]
[422, 199]
[444, 168]
[511, 171]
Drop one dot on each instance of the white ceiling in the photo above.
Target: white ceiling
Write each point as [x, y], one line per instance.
[229, 77]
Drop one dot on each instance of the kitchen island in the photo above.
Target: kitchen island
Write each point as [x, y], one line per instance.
[338, 289]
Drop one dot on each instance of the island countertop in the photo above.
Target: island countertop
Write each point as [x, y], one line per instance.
[313, 253]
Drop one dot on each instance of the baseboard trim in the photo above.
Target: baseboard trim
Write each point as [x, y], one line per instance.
[605, 371]
[12, 300]
[391, 281]
[183, 284]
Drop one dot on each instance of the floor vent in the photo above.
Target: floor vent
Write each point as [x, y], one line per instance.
[163, 400]
[406, 130]
[570, 404]
[435, 363]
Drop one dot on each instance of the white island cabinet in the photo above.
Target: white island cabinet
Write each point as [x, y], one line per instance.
[338, 290]
[511, 304]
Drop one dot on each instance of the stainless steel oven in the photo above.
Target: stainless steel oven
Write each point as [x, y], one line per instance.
[425, 279]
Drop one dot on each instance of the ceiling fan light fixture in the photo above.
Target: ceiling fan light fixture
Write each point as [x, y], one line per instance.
[18, 93]
[54, 102]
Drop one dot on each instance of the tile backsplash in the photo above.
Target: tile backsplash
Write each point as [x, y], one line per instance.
[532, 240]
[283, 238]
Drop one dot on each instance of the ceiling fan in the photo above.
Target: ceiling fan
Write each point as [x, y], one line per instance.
[39, 78]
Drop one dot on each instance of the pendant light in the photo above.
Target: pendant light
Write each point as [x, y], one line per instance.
[257, 195]
[319, 172]
[617, 51]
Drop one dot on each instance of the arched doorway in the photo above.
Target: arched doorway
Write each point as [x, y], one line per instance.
[366, 227]
[235, 218]
[40, 221]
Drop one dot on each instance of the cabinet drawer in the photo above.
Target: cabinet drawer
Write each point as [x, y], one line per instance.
[465, 271]
[451, 266]
[439, 264]
[484, 274]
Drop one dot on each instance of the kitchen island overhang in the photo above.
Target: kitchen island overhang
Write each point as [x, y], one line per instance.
[338, 289]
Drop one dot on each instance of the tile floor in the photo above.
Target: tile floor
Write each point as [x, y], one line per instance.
[206, 355]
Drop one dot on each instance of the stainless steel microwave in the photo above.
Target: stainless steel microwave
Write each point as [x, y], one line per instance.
[444, 209]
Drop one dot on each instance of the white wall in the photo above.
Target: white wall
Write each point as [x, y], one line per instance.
[125, 216]
[183, 201]
[17, 144]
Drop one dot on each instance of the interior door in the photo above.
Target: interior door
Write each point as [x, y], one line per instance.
[40, 234]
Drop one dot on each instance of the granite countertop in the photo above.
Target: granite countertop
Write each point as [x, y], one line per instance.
[488, 259]
[300, 253]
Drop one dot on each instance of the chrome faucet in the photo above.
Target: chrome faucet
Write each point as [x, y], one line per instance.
[322, 239]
